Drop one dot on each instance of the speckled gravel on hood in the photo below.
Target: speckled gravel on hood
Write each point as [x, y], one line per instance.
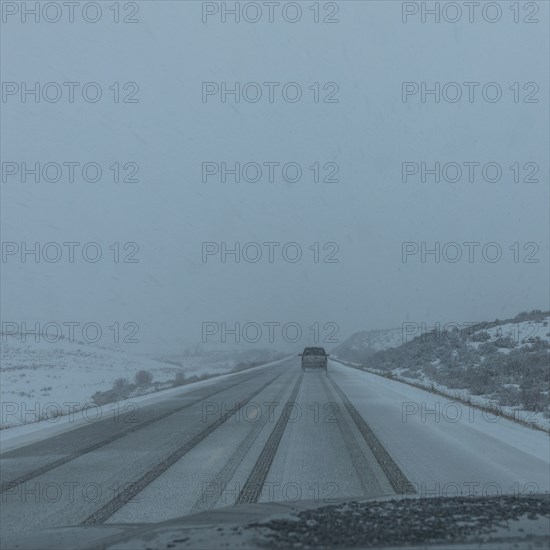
[404, 522]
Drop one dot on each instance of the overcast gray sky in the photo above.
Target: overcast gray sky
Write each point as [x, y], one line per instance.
[369, 212]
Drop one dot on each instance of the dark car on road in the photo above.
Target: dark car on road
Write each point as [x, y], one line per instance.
[314, 358]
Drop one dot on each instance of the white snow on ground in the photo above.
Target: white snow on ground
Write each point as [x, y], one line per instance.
[534, 418]
[519, 333]
[446, 445]
[26, 434]
[44, 379]
[530, 417]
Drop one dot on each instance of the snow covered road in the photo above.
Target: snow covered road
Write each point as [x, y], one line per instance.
[264, 435]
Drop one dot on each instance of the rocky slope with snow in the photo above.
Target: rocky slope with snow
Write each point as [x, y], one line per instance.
[503, 365]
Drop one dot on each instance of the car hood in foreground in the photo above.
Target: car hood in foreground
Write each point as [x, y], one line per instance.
[521, 522]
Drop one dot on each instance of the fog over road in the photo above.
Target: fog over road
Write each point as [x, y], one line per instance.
[268, 434]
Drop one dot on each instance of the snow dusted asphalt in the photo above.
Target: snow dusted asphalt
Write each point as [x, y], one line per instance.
[266, 435]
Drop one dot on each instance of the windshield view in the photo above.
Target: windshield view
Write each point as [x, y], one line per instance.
[274, 274]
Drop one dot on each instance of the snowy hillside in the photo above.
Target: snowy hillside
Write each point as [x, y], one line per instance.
[45, 380]
[501, 364]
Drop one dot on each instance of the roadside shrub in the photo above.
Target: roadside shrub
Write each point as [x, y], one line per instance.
[143, 378]
[120, 384]
[481, 336]
[121, 390]
[505, 342]
[508, 396]
[179, 380]
[533, 399]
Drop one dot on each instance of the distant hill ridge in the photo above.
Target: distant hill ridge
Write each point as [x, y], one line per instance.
[362, 345]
